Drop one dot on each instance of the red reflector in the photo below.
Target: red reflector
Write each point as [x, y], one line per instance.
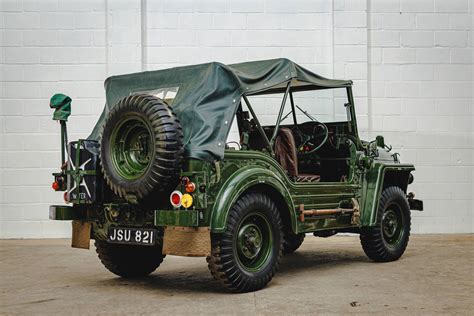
[66, 197]
[55, 186]
[175, 198]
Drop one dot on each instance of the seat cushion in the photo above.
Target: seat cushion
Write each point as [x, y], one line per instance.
[308, 178]
[285, 151]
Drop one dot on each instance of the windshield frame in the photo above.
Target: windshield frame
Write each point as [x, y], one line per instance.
[350, 110]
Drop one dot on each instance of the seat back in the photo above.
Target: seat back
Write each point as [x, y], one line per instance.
[285, 151]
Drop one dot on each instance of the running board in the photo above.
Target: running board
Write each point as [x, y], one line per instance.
[336, 211]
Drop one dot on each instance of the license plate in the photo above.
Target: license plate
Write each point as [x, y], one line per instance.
[132, 236]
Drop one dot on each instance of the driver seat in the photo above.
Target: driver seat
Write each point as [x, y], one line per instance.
[285, 154]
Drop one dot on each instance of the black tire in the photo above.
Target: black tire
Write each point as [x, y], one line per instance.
[388, 239]
[292, 242]
[129, 261]
[242, 269]
[153, 165]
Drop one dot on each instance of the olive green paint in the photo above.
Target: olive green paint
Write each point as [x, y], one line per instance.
[223, 176]
[261, 169]
[241, 171]
[241, 180]
[177, 218]
[372, 188]
[132, 147]
[254, 241]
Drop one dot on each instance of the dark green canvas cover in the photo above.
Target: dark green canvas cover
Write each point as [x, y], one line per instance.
[61, 104]
[209, 95]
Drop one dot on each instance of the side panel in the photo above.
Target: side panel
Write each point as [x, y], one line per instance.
[243, 170]
[372, 188]
[238, 183]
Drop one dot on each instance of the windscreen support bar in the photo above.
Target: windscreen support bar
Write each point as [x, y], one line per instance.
[353, 120]
[259, 126]
[282, 108]
[293, 110]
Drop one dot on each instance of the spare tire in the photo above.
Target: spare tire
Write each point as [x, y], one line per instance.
[141, 148]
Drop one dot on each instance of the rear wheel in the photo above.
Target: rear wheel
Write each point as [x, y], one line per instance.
[388, 239]
[246, 256]
[129, 261]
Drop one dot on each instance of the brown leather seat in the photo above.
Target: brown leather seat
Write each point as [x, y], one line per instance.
[285, 154]
[285, 151]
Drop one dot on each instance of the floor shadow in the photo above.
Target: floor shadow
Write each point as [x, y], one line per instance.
[198, 279]
[304, 261]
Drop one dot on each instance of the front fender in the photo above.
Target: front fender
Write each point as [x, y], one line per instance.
[372, 189]
[239, 182]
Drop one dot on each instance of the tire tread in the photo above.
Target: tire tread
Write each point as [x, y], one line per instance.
[129, 261]
[222, 264]
[168, 137]
[372, 237]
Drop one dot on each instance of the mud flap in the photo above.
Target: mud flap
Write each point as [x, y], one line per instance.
[81, 234]
[187, 241]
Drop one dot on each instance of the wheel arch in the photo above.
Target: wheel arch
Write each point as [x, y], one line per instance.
[250, 179]
[286, 217]
[377, 179]
[396, 178]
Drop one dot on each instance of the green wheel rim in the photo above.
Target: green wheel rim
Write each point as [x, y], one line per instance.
[392, 225]
[254, 242]
[131, 147]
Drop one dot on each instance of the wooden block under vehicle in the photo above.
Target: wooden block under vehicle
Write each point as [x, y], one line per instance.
[81, 234]
[187, 241]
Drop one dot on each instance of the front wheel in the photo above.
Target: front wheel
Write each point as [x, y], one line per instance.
[388, 239]
[246, 255]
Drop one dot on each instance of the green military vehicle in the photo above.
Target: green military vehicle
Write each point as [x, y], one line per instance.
[158, 176]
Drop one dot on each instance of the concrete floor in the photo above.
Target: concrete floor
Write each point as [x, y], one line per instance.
[330, 276]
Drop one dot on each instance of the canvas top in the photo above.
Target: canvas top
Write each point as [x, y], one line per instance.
[205, 97]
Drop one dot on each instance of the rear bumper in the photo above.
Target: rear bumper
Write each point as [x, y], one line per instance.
[81, 229]
[66, 213]
[70, 213]
[180, 218]
[184, 218]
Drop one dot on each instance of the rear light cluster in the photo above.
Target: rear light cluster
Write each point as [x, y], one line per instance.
[178, 199]
[59, 183]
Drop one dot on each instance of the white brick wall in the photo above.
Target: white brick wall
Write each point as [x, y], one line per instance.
[421, 85]
[411, 61]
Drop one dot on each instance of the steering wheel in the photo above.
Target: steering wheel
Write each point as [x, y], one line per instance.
[311, 142]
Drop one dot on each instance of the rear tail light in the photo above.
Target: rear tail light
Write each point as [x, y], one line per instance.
[55, 186]
[175, 198]
[190, 187]
[184, 180]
